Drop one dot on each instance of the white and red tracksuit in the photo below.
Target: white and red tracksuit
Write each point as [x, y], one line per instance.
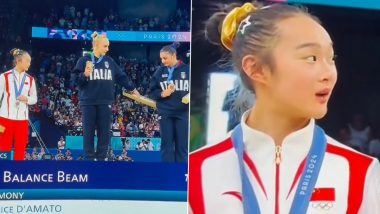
[349, 182]
[13, 117]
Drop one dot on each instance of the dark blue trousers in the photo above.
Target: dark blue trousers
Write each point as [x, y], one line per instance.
[99, 118]
[174, 137]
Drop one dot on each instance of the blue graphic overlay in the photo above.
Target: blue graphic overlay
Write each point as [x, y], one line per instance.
[120, 36]
[93, 180]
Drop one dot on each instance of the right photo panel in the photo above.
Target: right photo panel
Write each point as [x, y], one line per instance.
[285, 107]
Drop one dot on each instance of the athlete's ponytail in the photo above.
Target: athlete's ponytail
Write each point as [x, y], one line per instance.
[16, 54]
[172, 48]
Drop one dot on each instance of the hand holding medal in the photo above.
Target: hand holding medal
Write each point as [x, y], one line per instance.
[89, 68]
[167, 92]
[171, 87]
[22, 99]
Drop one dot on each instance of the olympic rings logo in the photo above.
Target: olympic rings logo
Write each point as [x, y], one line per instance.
[322, 205]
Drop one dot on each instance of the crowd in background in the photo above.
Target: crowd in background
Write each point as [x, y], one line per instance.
[72, 17]
[361, 136]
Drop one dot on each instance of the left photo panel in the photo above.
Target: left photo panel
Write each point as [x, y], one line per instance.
[94, 106]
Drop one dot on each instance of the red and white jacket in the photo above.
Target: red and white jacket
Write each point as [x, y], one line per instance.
[8, 108]
[349, 182]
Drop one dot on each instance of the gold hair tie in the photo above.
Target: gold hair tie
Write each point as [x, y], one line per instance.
[232, 21]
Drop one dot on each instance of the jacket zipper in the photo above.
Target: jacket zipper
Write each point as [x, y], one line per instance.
[278, 161]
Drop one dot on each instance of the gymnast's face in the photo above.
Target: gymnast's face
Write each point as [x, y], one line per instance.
[24, 61]
[102, 46]
[304, 72]
[168, 59]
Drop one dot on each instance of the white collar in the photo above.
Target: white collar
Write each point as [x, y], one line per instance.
[19, 74]
[258, 143]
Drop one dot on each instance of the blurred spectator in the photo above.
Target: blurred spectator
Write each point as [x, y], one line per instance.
[27, 156]
[68, 153]
[111, 155]
[34, 151]
[344, 137]
[35, 156]
[142, 146]
[41, 154]
[360, 132]
[125, 143]
[150, 145]
[59, 155]
[374, 144]
[61, 143]
[124, 156]
[69, 157]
